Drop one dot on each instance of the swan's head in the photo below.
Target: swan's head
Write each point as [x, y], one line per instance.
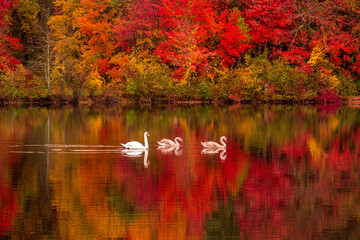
[224, 138]
[180, 139]
[146, 134]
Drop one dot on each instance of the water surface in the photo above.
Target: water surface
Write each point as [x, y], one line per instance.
[289, 172]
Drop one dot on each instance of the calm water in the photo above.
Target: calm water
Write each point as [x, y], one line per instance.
[289, 172]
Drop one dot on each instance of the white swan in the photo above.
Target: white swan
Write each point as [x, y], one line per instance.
[168, 142]
[137, 145]
[215, 145]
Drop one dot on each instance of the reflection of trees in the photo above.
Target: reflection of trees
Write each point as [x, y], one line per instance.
[310, 182]
[8, 197]
[179, 205]
[290, 171]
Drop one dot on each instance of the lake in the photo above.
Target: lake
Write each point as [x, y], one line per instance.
[288, 172]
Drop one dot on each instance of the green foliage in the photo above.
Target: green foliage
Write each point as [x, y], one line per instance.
[147, 80]
[20, 84]
[281, 80]
[205, 91]
[347, 87]
[184, 92]
[25, 18]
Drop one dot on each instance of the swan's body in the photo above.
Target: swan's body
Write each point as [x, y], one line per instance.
[137, 145]
[215, 145]
[168, 142]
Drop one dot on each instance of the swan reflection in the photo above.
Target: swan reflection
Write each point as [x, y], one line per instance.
[137, 153]
[223, 153]
[165, 149]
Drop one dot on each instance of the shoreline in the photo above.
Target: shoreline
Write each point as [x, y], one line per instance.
[353, 101]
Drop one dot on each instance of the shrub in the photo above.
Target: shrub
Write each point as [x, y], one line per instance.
[281, 80]
[20, 84]
[147, 80]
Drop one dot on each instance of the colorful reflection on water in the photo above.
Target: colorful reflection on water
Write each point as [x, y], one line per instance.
[288, 172]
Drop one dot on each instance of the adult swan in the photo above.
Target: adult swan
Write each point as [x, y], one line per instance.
[137, 145]
[215, 145]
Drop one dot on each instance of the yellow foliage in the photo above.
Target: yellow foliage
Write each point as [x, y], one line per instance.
[95, 80]
[246, 85]
[317, 56]
[249, 81]
[330, 79]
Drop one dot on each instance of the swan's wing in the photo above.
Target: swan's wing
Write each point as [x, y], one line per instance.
[211, 144]
[133, 144]
[208, 144]
[166, 141]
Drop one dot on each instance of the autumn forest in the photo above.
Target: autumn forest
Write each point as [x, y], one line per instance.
[171, 50]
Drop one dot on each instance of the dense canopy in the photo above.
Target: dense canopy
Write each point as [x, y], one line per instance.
[263, 50]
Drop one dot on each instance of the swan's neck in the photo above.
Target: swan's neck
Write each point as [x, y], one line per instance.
[176, 141]
[222, 142]
[146, 142]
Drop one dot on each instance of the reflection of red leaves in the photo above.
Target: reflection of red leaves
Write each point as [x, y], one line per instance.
[266, 193]
[8, 208]
[137, 183]
[207, 185]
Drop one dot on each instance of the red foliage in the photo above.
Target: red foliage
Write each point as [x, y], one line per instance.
[328, 96]
[138, 19]
[296, 55]
[270, 21]
[233, 41]
[8, 44]
[197, 31]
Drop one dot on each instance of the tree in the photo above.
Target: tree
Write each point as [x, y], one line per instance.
[69, 58]
[270, 23]
[96, 24]
[8, 43]
[197, 31]
[138, 22]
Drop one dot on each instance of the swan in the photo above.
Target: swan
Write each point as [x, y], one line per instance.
[137, 145]
[168, 142]
[215, 145]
